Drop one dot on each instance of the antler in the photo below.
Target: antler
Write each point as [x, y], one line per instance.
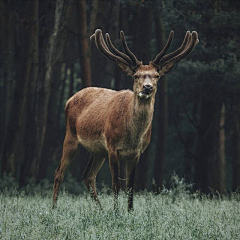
[188, 44]
[129, 58]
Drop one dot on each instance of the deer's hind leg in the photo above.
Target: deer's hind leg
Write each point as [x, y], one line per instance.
[70, 146]
[114, 164]
[94, 165]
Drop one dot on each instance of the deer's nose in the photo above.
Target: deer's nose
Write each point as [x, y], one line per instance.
[148, 88]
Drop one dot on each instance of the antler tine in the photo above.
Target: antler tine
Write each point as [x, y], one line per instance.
[115, 50]
[92, 38]
[127, 50]
[193, 41]
[164, 50]
[179, 50]
[101, 45]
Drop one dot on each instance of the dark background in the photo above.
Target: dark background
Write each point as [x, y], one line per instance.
[46, 56]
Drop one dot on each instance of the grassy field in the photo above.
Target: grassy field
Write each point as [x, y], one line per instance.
[166, 216]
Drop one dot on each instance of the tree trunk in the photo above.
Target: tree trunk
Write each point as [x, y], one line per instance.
[121, 81]
[93, 17]
[210, 160]
[3, 44]
[98, 62]
[71, 82]
[51, 58]
[16, 156]
[32, 96]
[188, 158]
[83, 41]
[8, 70]
[220, 164]
[16, 131]
[61, 100]
[111, 70]
[162, 114]
[236, 147]
[142, 39]
[10, 60]
[54, 135]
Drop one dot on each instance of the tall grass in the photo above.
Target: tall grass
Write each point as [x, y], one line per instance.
[174, 214]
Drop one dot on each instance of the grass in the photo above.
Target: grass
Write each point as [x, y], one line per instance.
[165, 216]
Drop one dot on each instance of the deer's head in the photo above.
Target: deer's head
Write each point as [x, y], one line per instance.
[145, 76]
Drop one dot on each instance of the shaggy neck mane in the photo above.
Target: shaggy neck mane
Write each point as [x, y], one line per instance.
[142, 114]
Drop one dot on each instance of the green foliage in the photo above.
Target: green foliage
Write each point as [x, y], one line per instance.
[26, 216]
[178, 190]
[44, 187]
[8, 183]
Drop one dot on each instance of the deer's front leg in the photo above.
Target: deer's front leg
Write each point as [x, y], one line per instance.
[131, 165]
[115, 172]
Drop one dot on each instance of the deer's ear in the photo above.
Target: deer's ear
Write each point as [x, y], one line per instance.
[166, 68]
[125, 68]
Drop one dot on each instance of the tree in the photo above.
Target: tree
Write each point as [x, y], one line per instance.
[236, 147]
[83, 41]
[162, 114]
[141, 41]
[210, 162]
[210, 78]
[15, 151]
[43, 111]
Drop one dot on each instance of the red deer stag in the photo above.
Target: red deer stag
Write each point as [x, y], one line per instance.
[116, 124]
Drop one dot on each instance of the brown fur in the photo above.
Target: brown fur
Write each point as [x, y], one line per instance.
[109, 123]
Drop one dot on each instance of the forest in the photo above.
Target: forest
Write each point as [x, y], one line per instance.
[47, 56]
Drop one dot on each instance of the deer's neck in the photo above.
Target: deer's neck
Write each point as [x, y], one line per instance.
[142, 114]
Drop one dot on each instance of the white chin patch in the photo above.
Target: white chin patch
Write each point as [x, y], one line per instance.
[143, 95]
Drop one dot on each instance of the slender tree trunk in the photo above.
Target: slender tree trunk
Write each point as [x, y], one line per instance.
[124, 11]
[98, 63]
[210, 159]
[17, 153]
[142, 38]
[7, 32]
[31, 102]
[220, 165]
[93, 17]
[113, 29]
[16, 130]
[51, 58]
[162, 114]
[53, 138]
[3, 85]
[84, 49]
[71, 83]
[188, 158]
[8, 51]
[236, 147]
[10, 60]
[61, 100]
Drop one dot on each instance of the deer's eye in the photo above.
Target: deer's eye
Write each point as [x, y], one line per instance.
[136, 77]
[156, 76]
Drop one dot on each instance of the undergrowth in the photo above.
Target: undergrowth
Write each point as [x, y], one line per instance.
[175, 213]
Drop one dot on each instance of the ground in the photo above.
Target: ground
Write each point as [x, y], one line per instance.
[165, 216]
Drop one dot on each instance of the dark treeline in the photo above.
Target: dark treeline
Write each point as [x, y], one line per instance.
[46, 56]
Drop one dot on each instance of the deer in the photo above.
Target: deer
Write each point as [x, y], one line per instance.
[116, 124]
